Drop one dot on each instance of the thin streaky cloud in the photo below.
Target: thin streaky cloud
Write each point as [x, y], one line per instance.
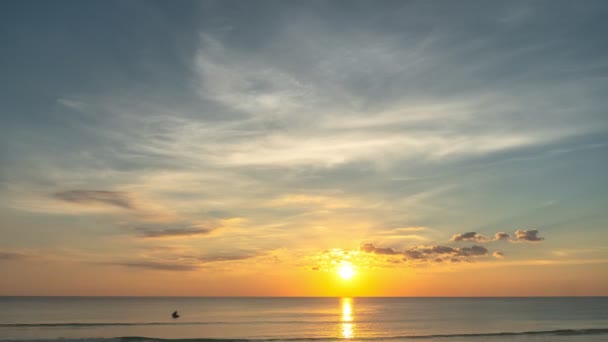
[96, 197]
[173, 232]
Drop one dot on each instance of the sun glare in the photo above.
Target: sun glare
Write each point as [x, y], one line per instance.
[346, 271]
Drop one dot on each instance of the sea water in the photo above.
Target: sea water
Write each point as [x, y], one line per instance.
[304, 319]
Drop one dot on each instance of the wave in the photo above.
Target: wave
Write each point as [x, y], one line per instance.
[560, 332]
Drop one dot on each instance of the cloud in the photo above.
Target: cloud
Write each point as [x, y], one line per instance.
[472, 251]
[439, 250]
[441, 253]
[520, 236]
[527, 236]
[227, 257]
[370, 248]
[469, 236]
[174, 259]
[72, 104]
[95, 197]
[414, 254]
[353, 120]
[173, 232]
[5, 256]
[396, 234]
[303, 200]
[246, 85]
[430, 253]
[575, 251]
[502, 236]
[159, 266]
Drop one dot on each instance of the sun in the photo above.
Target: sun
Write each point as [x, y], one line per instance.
[346, 271]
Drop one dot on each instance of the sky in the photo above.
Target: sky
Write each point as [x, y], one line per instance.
[256, 148]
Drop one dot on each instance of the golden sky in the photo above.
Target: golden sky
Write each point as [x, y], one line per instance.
[265, 148]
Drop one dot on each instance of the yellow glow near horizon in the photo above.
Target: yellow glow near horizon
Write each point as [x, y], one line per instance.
[346, 271]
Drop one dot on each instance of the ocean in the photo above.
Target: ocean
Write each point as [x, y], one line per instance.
[221, 319]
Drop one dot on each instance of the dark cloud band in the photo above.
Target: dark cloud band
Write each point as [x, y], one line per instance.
[89, 197]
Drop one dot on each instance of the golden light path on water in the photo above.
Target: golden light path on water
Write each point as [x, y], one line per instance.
[347, 318]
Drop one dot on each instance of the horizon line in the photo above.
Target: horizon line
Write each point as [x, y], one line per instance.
[295, 297]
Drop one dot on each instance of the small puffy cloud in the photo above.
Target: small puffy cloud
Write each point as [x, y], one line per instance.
[438, 250]
[414, 254]
[527, 236]
[95, 197]
[498, 255]
[472, 251]
[502, 236]
[469, 236]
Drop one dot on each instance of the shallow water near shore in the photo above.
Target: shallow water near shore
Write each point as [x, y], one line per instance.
[137, 319]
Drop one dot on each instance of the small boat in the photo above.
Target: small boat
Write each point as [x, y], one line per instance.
[175, 314]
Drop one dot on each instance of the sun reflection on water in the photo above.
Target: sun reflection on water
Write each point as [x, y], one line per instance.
[348, 326]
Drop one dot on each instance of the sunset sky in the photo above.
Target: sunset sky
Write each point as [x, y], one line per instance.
[430, 148]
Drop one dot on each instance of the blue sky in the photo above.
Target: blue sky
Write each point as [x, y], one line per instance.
[157, 136]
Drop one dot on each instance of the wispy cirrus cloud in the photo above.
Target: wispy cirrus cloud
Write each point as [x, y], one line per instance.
[266, 92]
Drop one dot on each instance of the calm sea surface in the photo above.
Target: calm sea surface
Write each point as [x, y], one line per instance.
[294, 319]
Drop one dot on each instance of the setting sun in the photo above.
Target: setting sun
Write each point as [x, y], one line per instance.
[346, 271]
